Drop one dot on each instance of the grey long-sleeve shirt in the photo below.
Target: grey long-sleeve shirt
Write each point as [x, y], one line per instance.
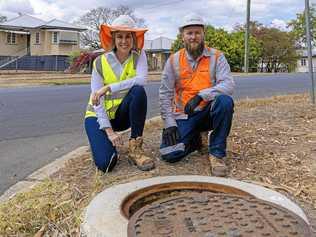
[224, 84]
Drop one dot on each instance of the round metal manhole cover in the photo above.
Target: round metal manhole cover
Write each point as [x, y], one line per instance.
[215, 215]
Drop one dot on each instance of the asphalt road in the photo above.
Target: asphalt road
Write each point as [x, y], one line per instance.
[38, 125]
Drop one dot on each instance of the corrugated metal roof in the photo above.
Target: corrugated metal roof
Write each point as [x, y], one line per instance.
[27, 21]
[61, 24]
[24, 21]
[160, 43]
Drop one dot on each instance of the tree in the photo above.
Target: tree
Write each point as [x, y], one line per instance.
[102, 15]
[279, 51]
[3, 18]
[231, 44]
[254, 28]
[177, 44]
[236, 51]
[298, 27]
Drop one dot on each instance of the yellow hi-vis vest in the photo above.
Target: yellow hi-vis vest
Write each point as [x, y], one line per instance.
[112, 100]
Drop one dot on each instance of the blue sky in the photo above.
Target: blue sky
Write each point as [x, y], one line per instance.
[163, 16]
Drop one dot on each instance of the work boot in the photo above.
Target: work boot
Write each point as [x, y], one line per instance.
[136, 155]
[218, 166]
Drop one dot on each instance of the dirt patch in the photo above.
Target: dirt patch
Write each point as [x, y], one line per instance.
[23, 79]
[272, 143]
[38, 79]
[32, 78]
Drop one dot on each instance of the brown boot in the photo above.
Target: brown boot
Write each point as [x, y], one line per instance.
[136, 154]
[218, 166]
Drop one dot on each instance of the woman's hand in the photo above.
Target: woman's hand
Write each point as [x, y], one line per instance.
[97, 95]
[114, 137]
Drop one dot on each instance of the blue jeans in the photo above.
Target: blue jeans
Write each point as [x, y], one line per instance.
[130, 114]
[216, 116]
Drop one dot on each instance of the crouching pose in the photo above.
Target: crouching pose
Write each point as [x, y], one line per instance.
[118, 100]
[195, 90]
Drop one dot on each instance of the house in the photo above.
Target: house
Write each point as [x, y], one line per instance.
[27, 42]
[157, 51]
[302, 62]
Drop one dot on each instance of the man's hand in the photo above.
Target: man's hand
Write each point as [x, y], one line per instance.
[115, 138]
[192, 104]
[97, 95]
[170, 136]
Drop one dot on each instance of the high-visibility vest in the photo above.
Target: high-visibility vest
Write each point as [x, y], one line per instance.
[103, 65]
[190, 81]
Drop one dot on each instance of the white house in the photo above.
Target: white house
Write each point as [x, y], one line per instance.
[36, 43]
[302, 62]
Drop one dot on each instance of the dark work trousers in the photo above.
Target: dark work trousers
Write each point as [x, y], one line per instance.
[130, 114]
[216, 117]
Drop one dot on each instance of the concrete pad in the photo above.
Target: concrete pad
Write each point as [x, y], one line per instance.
[103, 216]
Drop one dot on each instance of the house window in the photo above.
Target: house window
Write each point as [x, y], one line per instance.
[55, 37]
[303, 62]
[37, 38]
[11, 38]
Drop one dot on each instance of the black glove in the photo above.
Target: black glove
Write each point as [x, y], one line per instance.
[170, 135]
[192, 104]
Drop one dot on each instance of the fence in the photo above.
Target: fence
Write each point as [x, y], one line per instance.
[39, 63]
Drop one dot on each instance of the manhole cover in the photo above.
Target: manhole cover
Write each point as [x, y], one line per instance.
[215, 215]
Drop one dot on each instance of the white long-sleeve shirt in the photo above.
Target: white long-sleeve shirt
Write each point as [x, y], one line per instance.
[97, 83]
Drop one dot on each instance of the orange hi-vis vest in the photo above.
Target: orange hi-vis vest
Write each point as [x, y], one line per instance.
[189, 81]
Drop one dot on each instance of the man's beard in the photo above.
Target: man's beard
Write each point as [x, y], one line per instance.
[196, 52]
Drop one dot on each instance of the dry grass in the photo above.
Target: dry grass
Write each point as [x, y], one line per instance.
[45, 78]
[31, 78]
[272, 143]
[47, 206]
[42, 78]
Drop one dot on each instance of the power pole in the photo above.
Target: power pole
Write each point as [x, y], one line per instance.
[309, 50]
[246, 63]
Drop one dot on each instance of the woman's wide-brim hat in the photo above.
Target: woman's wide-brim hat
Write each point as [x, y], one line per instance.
[122, 23]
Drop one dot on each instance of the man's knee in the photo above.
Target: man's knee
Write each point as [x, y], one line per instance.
[173, 153]
[224, 102]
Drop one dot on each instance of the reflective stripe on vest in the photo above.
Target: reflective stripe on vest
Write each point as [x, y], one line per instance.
[104, 65]
[190, 81]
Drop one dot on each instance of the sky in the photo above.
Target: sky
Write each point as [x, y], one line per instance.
[163, 17]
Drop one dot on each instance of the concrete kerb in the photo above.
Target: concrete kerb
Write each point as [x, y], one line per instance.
[43, 173]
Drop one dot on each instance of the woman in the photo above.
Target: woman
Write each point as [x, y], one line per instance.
[118, 100]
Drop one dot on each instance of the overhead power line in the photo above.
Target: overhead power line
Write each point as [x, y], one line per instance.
[161, 5]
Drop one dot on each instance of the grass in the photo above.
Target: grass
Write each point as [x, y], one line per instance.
[272, 143]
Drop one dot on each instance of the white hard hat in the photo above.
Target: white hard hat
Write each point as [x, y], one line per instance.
[192, 19]
[124, 21]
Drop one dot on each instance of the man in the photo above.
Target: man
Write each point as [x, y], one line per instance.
[194, 95]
